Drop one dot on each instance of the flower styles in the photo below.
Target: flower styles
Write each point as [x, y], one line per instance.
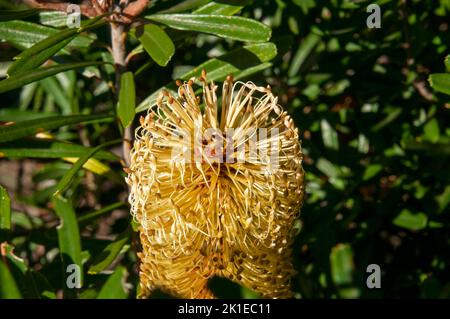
[216, 187]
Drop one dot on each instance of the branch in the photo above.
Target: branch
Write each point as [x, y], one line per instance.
[87, 10]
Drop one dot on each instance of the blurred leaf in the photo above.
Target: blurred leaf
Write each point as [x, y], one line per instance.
[431, 130]
[387, 120]
[307, 46]
[440, 82]
[371, 171]
[7, 15]
[156, 42]
[127, 99]
[436, 149]
[114, 286]
[110, 253]
[222, 8]
[341, 259]
[8, 286]
[447, 63]
[411, 221]
[5, 214]
[91, 164]
[95, 214]
[49, 149]
[22, 79]
[329, 135]
[68, 234]
[326, 167]
[68, 177]
[32, 127]
[184, 6]
[443, 199]
[236, 28]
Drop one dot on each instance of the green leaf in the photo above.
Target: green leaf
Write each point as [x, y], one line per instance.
[411, 221]
[435, 149]
[32, 127]
[329, 135]
[156, 42]
[24, 64]
[49, 149]
[45, 49]
[95, 214]
[440, 82]
[371, 171]
[8, 286]
[151, 99]
[326, 167]
[431, 130]
[114, 286]
[341, 260]
[5, 214]
[24, 34]
[235, 62]
[110, 253]
[7, 15]
[19, 80]
[307, 47]
[68, 234]
[127, 99]
[447, 63]
[222, 8]
[68, 177]
[236, 28]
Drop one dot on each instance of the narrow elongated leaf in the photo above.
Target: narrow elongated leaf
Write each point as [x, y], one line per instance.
[49, 149]
[7, 15]
[45, 49]
[22, 79]
[8, 286]
[114, 286]
[235, 61]
[110, 253]
[24, 34]
[127, 99]
[24, 64]
[95, 214]
[68, 234]
[236, 28]
[32, 127]
[5, 214]
[156, 42]
[68, 177]
[305, 49]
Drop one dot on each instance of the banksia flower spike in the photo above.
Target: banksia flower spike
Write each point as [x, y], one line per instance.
[216, 187]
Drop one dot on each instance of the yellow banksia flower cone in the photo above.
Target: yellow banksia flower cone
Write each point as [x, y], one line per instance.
[215, 195]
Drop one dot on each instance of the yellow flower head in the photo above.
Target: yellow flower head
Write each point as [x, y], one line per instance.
[216, 187]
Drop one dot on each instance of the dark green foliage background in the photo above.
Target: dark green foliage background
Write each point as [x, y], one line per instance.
[375, 138]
